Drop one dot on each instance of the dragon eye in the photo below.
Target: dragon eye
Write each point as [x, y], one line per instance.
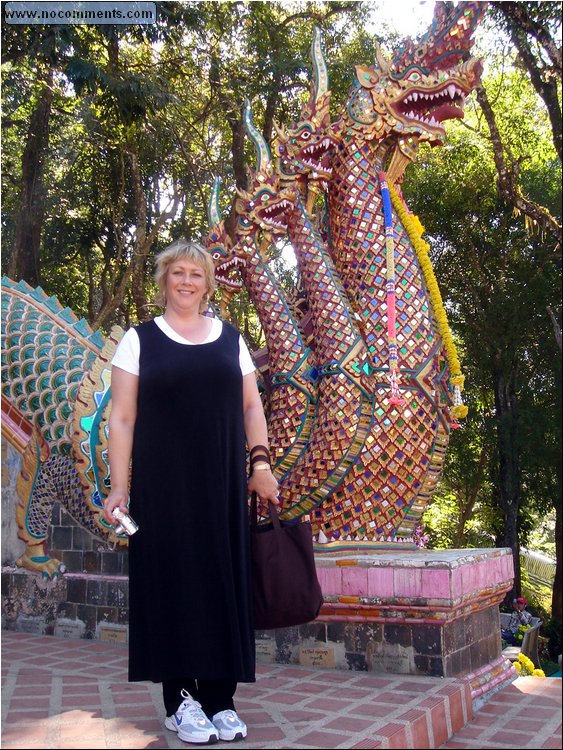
[414, 76]
[305, 135]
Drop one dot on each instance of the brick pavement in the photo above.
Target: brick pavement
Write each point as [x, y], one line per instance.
[74, 694]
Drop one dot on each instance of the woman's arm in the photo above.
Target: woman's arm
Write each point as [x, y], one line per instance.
[261, 481]
[124, 389]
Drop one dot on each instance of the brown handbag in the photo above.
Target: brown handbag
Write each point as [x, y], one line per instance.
[285, 587]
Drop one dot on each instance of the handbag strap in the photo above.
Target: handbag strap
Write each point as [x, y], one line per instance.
[260, 453]
[254, 513]
[260, 458]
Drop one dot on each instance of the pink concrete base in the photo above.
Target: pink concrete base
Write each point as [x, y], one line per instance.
[442, 578]
[425, 612]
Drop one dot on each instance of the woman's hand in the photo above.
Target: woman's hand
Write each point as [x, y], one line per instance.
[115, 499]
[265, 485]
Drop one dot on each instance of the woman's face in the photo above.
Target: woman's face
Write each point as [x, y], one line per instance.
[185, 285]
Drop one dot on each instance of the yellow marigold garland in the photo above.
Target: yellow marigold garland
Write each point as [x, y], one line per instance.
[414, 229]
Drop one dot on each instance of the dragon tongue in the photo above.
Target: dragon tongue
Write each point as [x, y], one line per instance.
[447, 112]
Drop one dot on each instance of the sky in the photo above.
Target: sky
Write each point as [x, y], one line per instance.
[407, 17]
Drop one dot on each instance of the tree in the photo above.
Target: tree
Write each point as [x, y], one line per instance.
[532, 28]
[146, 119]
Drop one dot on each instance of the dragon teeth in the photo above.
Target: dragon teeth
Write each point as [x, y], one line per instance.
[452, 91]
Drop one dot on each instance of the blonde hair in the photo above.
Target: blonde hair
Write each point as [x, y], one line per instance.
[184, 250]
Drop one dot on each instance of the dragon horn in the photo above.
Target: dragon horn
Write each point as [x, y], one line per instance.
[242, 194]
[280, 132]
[320, 70]
[380, 60]
[213, 213]
[263, 156]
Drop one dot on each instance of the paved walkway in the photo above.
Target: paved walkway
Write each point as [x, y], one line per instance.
[74, 694]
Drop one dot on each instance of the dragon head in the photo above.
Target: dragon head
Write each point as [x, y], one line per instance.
[405, 100]
[264, 204]
[266, 207]
[260, 207]
[228, 258]
[304, 150]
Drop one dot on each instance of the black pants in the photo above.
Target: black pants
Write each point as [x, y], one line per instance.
[214, 695]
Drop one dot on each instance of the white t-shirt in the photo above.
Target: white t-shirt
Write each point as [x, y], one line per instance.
[127, 353]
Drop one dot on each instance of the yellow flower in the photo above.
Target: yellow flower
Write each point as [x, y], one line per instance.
[414, 230]
[521, 631]
[417, 224]
[538, 673]
[460, 411]
[525, 667]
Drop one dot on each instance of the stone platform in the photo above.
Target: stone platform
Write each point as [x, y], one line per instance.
[423, 612]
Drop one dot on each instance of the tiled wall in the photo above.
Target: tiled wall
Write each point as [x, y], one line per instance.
[93, 592]
[83, 552]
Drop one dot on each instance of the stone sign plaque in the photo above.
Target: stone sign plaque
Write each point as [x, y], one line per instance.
[35, 625]
[69, 628]
[265, 650]
[110, 633]
[317, 657]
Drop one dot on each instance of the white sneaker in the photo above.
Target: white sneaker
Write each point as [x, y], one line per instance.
[191, 723]
[229, 726]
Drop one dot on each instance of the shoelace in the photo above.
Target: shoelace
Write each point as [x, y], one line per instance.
[193, 709]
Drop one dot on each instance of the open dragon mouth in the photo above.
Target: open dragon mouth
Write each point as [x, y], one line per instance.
[275, 215]
[226, 272]
[431, 108]
[316, 157]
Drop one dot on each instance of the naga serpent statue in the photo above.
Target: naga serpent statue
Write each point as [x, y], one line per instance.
[363, 384]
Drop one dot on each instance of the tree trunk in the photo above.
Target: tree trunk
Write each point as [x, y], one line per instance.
[507, 175]
[134, 272]
[521, 25]
[24, 263]
[506, 407]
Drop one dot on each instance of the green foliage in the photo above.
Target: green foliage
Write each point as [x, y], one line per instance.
[539, 597]
[167, 97]
[552, 630]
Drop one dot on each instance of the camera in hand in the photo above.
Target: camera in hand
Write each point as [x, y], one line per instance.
[126, 524]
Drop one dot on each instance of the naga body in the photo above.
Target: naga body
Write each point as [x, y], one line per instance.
[366, 269]
[55, 400]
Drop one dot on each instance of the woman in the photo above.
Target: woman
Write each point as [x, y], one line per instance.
[185, 404]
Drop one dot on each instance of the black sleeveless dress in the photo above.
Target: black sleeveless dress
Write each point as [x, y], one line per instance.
[189, 563]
